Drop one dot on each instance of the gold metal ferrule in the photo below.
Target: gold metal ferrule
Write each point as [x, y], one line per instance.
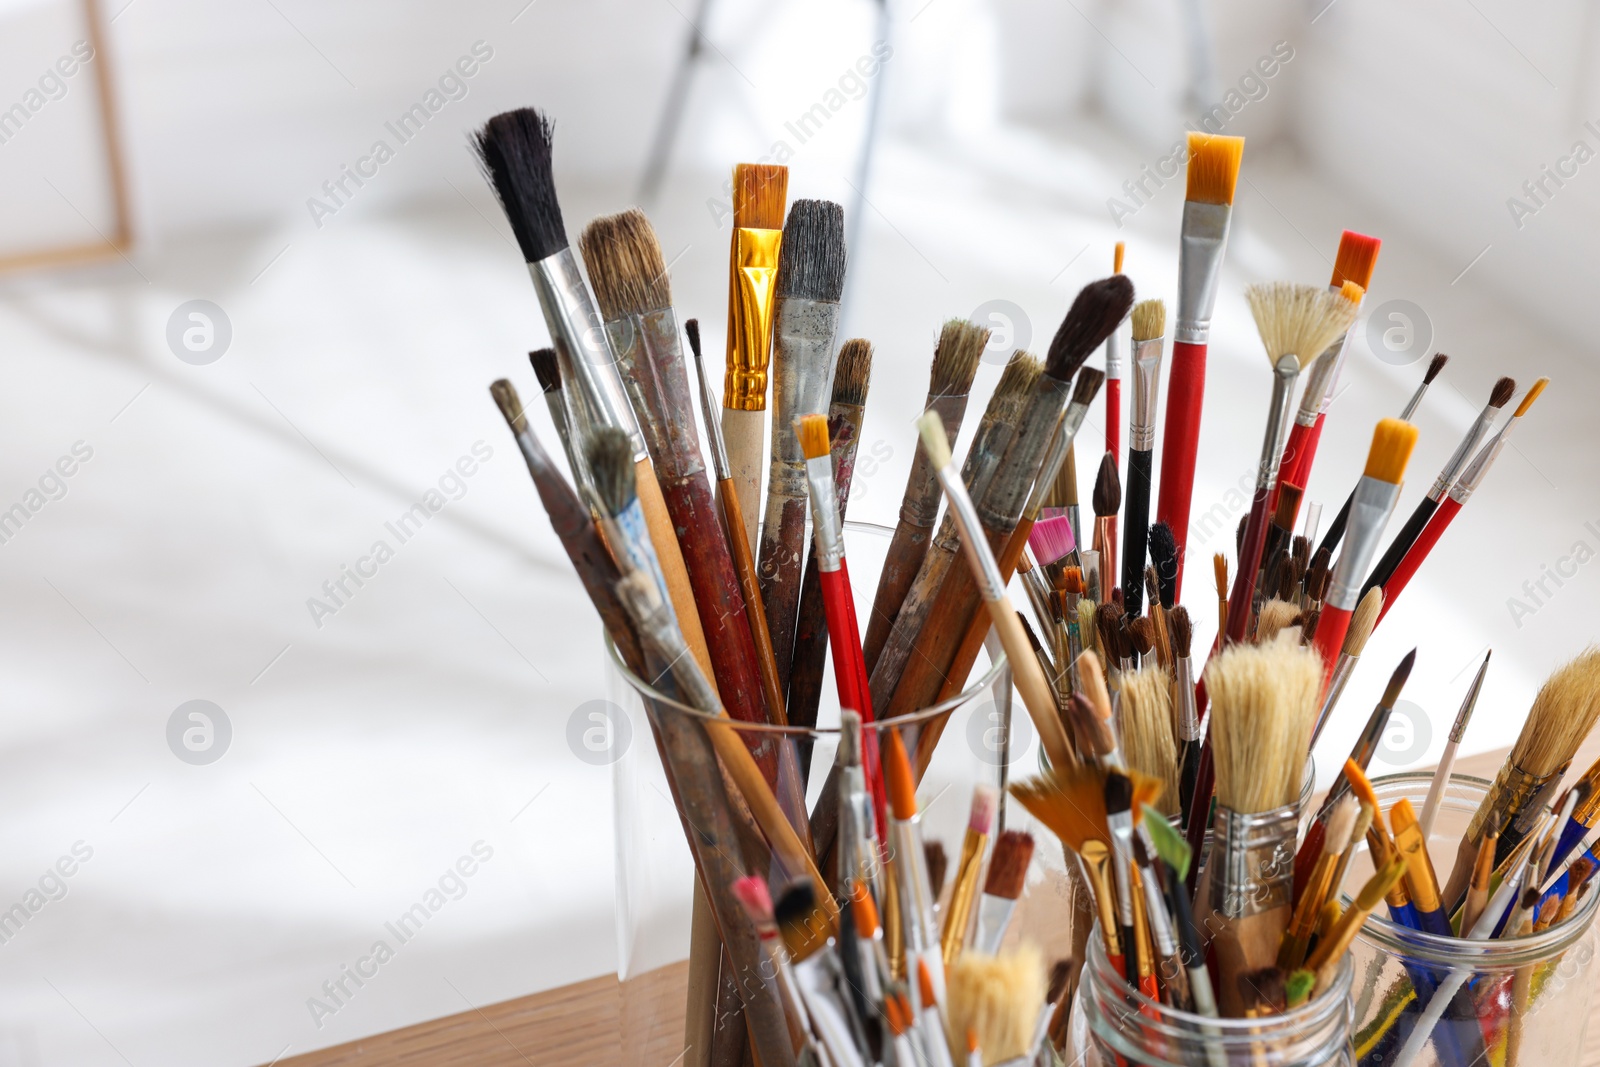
[752, 298]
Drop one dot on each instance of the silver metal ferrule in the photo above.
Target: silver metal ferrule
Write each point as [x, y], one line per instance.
[1121, 827]
[1370, 508]
[581, 347]
[1188, 714]
[973, 541]
[825, 513]
[1114, 354]
[1462, 454]
[1318, 384]
[651, 359]
[1060, 445]
[1458, 729]
[1203, 240]
[802, 369]
[1470, 478]
[1412, 404]
[1254, 858]
[1146, 393]
[1284, 374]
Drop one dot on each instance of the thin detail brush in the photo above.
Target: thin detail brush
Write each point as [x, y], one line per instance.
[1149, 330]
[1441, 776]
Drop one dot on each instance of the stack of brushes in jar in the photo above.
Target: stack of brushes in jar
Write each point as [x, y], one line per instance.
[830, 934]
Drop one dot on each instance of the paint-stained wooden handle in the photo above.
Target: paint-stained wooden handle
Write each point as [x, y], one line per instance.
[665, 540]
[744, 434]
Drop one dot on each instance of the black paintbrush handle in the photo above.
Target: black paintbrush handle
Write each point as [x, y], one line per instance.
[1135, 530]
[1335, 534]
[1188, 770]
[1401, 544]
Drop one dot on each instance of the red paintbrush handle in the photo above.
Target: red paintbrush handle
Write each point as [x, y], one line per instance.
[1331, 628]
[1289, 466]
[1186, 391]
[1308, 455]
[1243, 594]
[1114, 420]
[850, 673]
[1305, 861]
[1417, 553]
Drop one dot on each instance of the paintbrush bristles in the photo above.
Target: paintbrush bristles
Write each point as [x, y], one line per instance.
[1298, 320]
[1148, 742]
[1562, 715]
[510, 405]
[1357, 259]
[1149, 320]
[1392, 442]
[1182, 631]
[956, 357]
[1288, 505]
[1435, 365]
[852, 373]
[1213, 170]
[1276, 616]
[811, 261]
[760, 191]
[1107, 498]
[812, 430]
[930, 427]
[546, 368]
[625, 266]
[514, 151]
[1362, 622]
[1017, 380]
[1098, 309]
[997, 998]
[1264, 701]
[1532, 394]
[610, 456]
[1085, 388]
[1341, 822]
[1501, 393]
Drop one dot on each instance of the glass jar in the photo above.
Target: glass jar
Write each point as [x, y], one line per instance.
[1533, 993]
[1114, 1025]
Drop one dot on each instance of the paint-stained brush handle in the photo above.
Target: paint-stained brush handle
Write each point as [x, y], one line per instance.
[744, 566]
[673, 568]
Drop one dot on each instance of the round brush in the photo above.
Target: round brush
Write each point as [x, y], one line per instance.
[1149, 325]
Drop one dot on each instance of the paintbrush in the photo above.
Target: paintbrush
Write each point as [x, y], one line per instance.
[1335, 534]
[1441, 776]
[1037, 695]
[1213, 172]
[860, 848]
[1478, 884]
[1187, 720]
[1066, 490]
[999, 998]
[1148, 743]
[1355, 261]
[1374, 500]
[1114, 360]
[514, 150]
[1460, 493]
[1107, 499]
[760, 193]
[1355, 642]
[845, 412]
[810, 282]
[817, 972]
[1336, 839]
[955, 364]
[1008, 872]
[777, 977]
[1583, 818]
[1118, 795]
[958, 914]
[909, 861]
[1502, 392]
[931, 1019]
[631, 286]
[1149, 329]
[547, 369]
[1263, 700]
[1420, 878]
[1329, 953]
[1561, 717]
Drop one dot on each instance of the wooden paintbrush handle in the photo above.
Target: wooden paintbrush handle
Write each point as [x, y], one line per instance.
[744, 434]
[1028, 676]
[665, 540]
[779, 566]
[1242, 595]
[744, 566]
[907, 549]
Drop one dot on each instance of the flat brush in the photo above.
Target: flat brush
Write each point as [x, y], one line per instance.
[1458, 730]
[1114, 360]
[1008, 873]
[760, 192]
[547, 369]
[955, 365]
[1502, 392]
[1460, 493]
[810, 283]
[845, 412]
[1107, 499]
[1213, 173]
[514, 149]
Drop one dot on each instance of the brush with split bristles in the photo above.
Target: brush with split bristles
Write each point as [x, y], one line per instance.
[760, 193]
[1374, 500]
[1213, 173]
[1149, 332]
[514, 150]
[1460, 493]
[1502, 392]
[1263, 701]
[955, 364]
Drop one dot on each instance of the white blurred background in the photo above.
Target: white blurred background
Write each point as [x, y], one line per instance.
[371, 749]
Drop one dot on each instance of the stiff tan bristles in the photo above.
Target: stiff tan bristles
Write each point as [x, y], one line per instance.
[1341, 823]
[510, 405]
[1213, 168]
[1288, 505]
[1500, 395]
[997, 998]
[930, 427]
[546, 368]
[1008, 866]
[1276, 616]
[812, 430]
[1356, 260]
[1149, 320]
[625, 266]
[1182, 631]
[1017, 380]
[812, 260]
[956, 357]
[853, 372]
[1298, 320]
[1530, 396]
[1264, 700]
[760, 194]
[1435, 365]
[1362, 622]
[1086, 627]
[1142, 632]
[902, 785]
[610, 456]
[1087, 385]
[1562, 715]
[1116, 257]
[1098, 309]
[1064, 490]
[1392, 442]
[1107, 497]
[1148, 742]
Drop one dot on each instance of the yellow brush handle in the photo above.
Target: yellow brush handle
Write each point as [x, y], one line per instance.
[1037, 695]
[665, 540]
